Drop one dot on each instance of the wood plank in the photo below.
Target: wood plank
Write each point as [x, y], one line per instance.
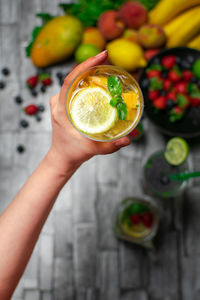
[133, 266]
[164, 272]
[134, 295]
[190, 283]
[85, 252]
[10, 11]
[84, 193]
[191, 222]
[106, 203]
[108, 169]
[109, 275]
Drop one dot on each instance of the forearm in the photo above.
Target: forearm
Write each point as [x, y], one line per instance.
[22, 221]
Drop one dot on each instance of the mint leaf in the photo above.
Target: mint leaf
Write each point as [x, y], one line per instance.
[177, 70]
[122, 111]
[117, 99]
[114, 86]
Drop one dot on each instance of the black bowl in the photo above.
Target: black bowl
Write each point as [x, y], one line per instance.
[189, 125]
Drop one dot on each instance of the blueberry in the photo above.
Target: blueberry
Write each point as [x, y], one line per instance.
[41, 108]
[164, 74]
[59, 75]
[164, 179]
[178, 60]
[170, 104]
[43, 89]
[193, 80]
[145, 83]
[18, 99]
[190, 59]
[20, 149]
[38, 118]
[163, 93]
[185, 64]
[5, 71]
[2, 85]
[61, 81]
[156, 60]
[24, 123]
[34, 93]
[198, 83]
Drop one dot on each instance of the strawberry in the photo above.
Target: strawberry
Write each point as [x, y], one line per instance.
[148, 54]
[153, 94]
[195, 102]
[147, 219]
[31, 82]
[31, 109]
[174, 75]
[176, 114]
[135, 132]
[45, 79]
[181, 87]
[187, 75]
[171, 95]
[160, 102]
[153, 73]
[167, 84]
[168, 61]
[135, 219]
[183, 101]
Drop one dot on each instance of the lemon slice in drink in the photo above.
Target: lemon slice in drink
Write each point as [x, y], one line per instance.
[91, 111]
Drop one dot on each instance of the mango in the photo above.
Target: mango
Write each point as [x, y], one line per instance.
[56, 41]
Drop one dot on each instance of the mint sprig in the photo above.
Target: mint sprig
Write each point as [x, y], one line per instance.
[115, 89]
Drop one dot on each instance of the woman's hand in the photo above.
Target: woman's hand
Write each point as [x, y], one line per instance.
[68, 145]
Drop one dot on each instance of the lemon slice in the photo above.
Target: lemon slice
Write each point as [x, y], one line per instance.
[91, 111]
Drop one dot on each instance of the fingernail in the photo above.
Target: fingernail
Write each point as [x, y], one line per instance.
[122, 143]
[101, 53]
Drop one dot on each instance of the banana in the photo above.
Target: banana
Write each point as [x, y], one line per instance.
[195, 43]
[183, 34]
[166, 10]
[180, 21]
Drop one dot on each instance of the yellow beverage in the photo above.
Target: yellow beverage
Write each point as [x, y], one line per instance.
[88, 104]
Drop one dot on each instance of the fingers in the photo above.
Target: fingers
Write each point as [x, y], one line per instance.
[110, 147]
[90, 62]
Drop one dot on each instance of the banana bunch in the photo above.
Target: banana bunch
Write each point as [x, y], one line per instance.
[180, 20]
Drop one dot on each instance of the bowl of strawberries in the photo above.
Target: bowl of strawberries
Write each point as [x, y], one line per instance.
[171, 87]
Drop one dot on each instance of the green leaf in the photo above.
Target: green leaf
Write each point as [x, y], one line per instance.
[182, 100]
[192, 88]
[155, 84]
[177, 70]
[195, 95]
[35, 33]
[122, 111]
[114, 101]
[155, 67]
[114, 86]
[45, 17]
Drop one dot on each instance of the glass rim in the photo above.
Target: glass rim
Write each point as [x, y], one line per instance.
[127, 132]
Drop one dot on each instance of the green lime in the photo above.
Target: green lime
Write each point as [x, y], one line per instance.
[196, 68]
[177, 151]
[85, 51]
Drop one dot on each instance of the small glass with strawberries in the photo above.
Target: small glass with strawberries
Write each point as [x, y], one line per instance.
[136, 220]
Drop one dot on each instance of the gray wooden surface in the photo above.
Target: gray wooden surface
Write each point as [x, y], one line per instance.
[77, 255]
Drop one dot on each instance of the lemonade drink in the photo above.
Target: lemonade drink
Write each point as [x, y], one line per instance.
[104, 103]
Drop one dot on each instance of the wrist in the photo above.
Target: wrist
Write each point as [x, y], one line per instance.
[63, 168]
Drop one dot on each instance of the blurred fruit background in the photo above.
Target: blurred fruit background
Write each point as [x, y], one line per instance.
[131, 31]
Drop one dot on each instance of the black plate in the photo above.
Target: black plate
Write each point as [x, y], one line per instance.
[189, 125]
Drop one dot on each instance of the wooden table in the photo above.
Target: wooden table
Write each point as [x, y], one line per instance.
[77, 255]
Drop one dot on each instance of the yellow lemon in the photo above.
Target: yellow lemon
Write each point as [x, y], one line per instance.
[126, 54]
[91, 111]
